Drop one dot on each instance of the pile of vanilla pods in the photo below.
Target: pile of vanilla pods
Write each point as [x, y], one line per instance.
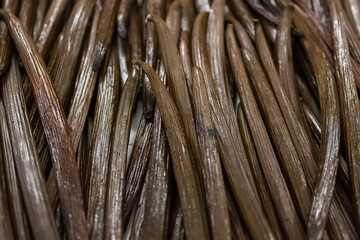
[179, 119]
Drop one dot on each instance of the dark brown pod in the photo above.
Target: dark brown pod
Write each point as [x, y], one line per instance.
[114, 222]
[53, 119]
[5, 44]
[185, 174]
[105, 30]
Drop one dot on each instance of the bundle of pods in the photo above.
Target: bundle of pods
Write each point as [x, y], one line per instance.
[179, 119]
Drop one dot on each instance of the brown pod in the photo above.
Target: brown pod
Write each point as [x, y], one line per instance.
[176, 78]
[53, 119]
[100, 143]
[185, 174]
[136, 171]
[26, 159]
[258, 173]
[16, 205]
[278, 189]
[157, 204]
[6, 190]
[5, 43]
[210, 157]
[123, 17]
[349, 101]
[114, 222]
[284, 58]
[105, 31]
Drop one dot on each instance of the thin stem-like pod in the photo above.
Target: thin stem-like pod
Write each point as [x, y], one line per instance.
[257, 172]
[329, 146]
[176, 78]
[338, 226]
[185, 54]
[105, 30]
[244, 15]
[211, 165]
[47, 32]
[84, 89]
[41, 9]
[135, 34]
[100, 143]
[232, 151]
[6, 231]
[114, 223]
[79, 107]
[187, 16]
[138, 221]
[306, 95]
[16, 205]
[284, 59]
[136, 171]
[321, 11]
[27, 14]
[300, 141]
[53, 119]
[26, 158]
[216, 50]
[157, 205]
[123, 60]
[237, 229]
[350, 107]
[353, 11]
[5, 44]
[45, 38]
[269, 29]
[185, 174]
[151, 48]
[276, 182]
[330, 139]
[123, 17]
[12, 191]
[62, 67]
[178, 231]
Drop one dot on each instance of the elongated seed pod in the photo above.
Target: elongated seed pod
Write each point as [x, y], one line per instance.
[187, 183]
[16, 205]
[123, 17]
[299, 140]
[27, 14]
[213, 179]
[284, 58]
[84, 89]
[26, 158]
[105, 31]
[53, 119]
[39, 16]
[245, 16]
[100, 143]
[257, 171]
[216, 50]
[278, 188]
[6, 230]
[232, 150]
[353, 7]
[136, 171]
[157, 204]
[114, 223]
[176, 78]
[349, 100]
[5, 44]
[151, 48]
[315, 50]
